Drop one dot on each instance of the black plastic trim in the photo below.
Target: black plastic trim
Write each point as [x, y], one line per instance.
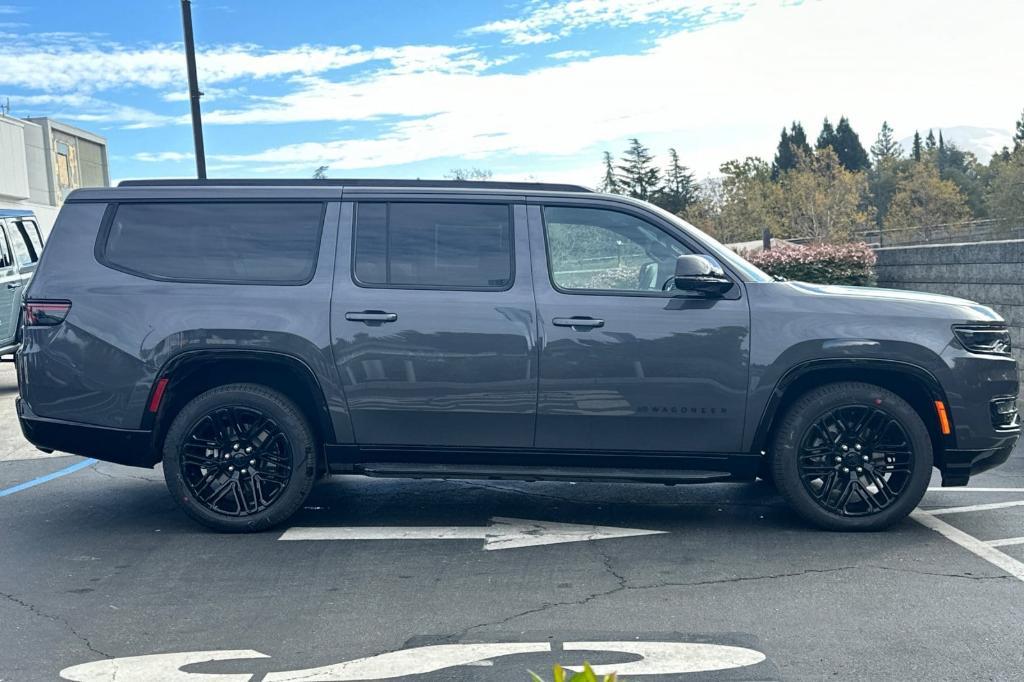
[957, 466]
[132, 447]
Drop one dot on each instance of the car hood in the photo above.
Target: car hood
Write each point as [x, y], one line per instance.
[954, 307]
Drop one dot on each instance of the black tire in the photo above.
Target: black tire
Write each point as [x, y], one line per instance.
[895, 457]
[200, 453]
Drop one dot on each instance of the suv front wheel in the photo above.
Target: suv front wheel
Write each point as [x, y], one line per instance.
[240, 458]
[852, 456]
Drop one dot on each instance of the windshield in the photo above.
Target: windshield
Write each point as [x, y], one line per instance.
[751, 272]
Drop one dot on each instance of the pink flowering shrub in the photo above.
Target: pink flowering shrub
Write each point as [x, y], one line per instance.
[819, 263]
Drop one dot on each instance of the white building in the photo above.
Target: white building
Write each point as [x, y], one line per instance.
[41, 160]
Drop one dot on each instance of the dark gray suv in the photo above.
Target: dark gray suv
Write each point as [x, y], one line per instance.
[252, 336]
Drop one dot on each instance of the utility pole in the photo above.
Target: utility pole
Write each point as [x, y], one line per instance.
[193, 89]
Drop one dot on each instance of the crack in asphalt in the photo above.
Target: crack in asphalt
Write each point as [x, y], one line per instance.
[32, 608]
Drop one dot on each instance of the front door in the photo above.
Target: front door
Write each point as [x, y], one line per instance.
[11, 282]
[434, 325]
[625, 365]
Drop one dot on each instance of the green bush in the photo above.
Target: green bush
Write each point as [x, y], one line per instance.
[585, 675]
[851, 264]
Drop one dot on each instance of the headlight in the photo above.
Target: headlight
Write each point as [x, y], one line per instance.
[981, 339]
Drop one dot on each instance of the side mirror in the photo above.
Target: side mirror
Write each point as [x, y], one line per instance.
[702, 275]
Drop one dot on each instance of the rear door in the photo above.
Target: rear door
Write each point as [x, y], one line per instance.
[11, 281]
[433, 321]
[624, 365]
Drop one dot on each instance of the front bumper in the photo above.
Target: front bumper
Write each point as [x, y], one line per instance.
[957, 466]
[120, 446]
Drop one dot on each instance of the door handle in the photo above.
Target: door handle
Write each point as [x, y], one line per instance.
[13, 285]
[370, 316]
[577, 322]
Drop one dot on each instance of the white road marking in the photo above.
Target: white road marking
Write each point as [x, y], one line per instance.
[977, 507]
[657, 658]
[976, 490]
[663, 658]
[971, 543]
[163, 667]
[503, 533]
[1004, 543]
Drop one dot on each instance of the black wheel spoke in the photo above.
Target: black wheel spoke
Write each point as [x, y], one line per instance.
[218, 471]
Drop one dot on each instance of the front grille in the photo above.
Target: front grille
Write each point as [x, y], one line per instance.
[1005, 414]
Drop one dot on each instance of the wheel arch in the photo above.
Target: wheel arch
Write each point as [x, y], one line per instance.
[191, 373]
[913, 383]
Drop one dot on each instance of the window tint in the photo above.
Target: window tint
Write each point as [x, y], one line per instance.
[434, 245]
[601, 250]
[226, 242]
[23, 253]
[6, 260]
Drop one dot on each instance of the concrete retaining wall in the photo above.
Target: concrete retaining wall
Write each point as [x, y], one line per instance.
[991, 273]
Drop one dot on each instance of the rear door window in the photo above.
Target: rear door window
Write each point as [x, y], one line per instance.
[433, 245]
[24, 253]
[30, 233]
[6, 259]
[229, 242]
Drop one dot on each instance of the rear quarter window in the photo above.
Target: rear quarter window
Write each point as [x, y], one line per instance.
[228, 242]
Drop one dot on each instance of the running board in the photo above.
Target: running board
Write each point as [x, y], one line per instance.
[538, 473]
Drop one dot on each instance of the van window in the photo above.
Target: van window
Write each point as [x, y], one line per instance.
[6, 260]
[231, 242]
[600, 250]
[30, 234]
[23, 252]
[433, 245]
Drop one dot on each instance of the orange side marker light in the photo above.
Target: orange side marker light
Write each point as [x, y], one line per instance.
[940, 409]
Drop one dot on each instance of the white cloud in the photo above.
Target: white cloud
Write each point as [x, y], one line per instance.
[717, 93]
[89, 109]
[571, 54]
[547, 21]
[159, 157]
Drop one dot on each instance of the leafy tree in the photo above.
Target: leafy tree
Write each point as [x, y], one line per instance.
[465, 174]
[827, 136]
[821, 199]
[320, 173]
[1018, 137]
[923, 199]
[848, 147]
[748, 200]
[679, 189]
[609, 183]
[962, 168]
[886, 148]
[1005, 195]
[915, 150]
[791, 144]
[638, 176]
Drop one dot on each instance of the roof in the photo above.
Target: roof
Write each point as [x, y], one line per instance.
[360, 182]
[15, 213]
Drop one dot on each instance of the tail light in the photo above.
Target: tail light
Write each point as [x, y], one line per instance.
[45, 313]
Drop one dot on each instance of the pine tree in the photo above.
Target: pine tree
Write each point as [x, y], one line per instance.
[915, 150]
[929, 142]
[609, 183]
[792, 144]
[320, 173]
[942, 143]
[849, 149]
[886, 148]
[679, 191]
[638, 176]
[1018, 138]
[827, 137]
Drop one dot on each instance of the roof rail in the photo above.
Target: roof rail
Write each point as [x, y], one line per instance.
[358, 182]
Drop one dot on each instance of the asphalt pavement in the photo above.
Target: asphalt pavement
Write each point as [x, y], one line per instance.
[102, 578]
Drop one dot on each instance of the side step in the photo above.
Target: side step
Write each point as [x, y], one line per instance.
[538, 473]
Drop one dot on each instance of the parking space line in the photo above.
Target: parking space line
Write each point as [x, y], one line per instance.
[977, 507]
[975, 490]
[48, 477]
[971, 543]
[1007, 541]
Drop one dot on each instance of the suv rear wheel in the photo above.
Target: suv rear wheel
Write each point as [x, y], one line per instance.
[239, 458]
[852, 456]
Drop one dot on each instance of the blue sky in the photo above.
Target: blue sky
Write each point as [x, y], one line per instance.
[530, 89]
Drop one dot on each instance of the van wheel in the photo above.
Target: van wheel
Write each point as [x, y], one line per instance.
[240, 458]
[852, 456]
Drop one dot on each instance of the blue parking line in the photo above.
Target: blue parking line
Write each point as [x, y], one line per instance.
[48, 477]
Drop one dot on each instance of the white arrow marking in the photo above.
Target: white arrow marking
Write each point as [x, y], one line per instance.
[163, 667]
[664, 658]
[418, 661]
[501, 534]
